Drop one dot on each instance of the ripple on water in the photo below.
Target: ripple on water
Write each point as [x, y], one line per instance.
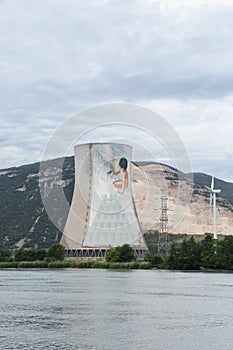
[103, 310]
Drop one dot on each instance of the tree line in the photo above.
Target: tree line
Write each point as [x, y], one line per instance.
[55, 252]
[190, 254]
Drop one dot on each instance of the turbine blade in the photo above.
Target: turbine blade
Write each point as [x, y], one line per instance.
[212, 183]
[211, 201]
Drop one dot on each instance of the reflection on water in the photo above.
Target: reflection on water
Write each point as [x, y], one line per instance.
[104, 310]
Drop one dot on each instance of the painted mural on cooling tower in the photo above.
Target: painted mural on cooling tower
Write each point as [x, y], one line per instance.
[113, 220]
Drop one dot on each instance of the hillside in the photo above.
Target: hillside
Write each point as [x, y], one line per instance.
[24, 222]
[188, 200]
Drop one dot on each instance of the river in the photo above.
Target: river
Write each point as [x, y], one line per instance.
[84, 309]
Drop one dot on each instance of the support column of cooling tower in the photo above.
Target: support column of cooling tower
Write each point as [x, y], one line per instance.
[89, 193]
[163, 234]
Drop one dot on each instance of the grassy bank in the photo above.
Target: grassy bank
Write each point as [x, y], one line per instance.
[95, 264]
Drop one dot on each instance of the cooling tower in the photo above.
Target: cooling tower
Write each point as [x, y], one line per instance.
[102, 212]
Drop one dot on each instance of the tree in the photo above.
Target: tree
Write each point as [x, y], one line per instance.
[172, 260]
[39, 254]
[5, 255]
[113, 255]
[208, 246]
[123, 253]
[20, 255]
[56, 251]
[126, 253]
[186, 256]
[23, 254]
[154, 259]
[225, 253]
[190, 255]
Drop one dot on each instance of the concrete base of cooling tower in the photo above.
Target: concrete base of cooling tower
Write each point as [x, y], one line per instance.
[98, 253]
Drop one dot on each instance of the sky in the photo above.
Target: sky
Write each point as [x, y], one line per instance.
[61, 57]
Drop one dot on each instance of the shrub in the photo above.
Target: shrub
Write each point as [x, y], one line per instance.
[39, 254]
[5, 255]
[145, 265]
[154, 259]
[100, 264]
[61, 264]
[134, 265]
[56, 252]
[22, 254]
[9, 264]
[123, 253]
[40, 264]
[26, 264]
[126, 253]
[113, 255]
[82, 264]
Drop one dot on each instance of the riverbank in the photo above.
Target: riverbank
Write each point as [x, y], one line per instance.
[95, 264]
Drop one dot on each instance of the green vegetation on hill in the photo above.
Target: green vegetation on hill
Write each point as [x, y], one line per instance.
[152, 240]
[22, 214]
[201, 180]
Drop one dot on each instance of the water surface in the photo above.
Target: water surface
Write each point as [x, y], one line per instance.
[74, 309]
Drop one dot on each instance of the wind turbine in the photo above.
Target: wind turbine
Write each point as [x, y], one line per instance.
[213, 193]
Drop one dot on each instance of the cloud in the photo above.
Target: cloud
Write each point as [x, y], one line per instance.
[206, 129]
[60, 57]
[101, 50]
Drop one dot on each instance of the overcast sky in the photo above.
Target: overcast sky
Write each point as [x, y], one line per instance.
[58, 57]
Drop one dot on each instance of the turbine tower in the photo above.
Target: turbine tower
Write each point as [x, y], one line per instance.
[213, 193]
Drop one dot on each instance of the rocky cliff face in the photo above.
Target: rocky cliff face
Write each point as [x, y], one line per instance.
[188, 200]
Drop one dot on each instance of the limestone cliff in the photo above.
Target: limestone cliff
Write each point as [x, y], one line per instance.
[188, 202]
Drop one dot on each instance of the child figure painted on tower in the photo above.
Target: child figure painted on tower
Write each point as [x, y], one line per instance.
[122, 182]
